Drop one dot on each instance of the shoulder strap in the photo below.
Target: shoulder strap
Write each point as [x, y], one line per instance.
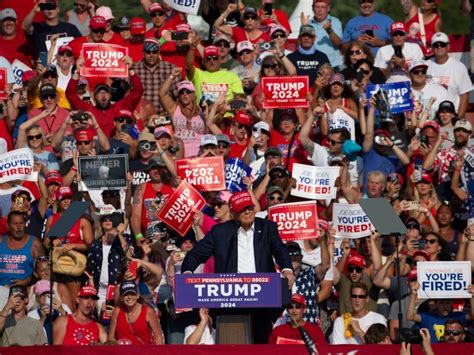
[422, 27]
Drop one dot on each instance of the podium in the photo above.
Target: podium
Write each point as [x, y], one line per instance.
[234, 329]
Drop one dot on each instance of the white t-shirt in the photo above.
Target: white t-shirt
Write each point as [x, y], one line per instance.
[431, 90]
[411, 51]
[104, 272]
[63, 80]
[451, 75]
[207, 338]
[338, 337]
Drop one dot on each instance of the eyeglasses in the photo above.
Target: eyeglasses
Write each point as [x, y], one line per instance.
[398, 34]
[273, 198]
[419, 72]
[361, 297]
[278, 35]
[355, 52]
[65, 54]
[293, 306]
[83, 142]
[333, 142]
[453, 332]
[123, 119]
[439, 45]
[270, 66]
[245, 52]
[431, 241]
[106, 219]
[100, 31]
[357, 269]
[48, 96]
[157, 13]
[152, 52]
[223, 145]
[223, 44]
[250, 17]
[212, 57]
[185, 91]
[38, 136]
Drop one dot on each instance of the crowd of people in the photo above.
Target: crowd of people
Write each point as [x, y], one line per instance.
[187, 96]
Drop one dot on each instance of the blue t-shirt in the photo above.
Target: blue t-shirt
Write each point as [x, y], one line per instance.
[374, 161]
[357, 26]
[324, 43]
[435, 323]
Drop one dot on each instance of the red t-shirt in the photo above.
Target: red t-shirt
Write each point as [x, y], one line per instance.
[18, 47]
[135, 51]
[80, 334]
[22, 8]
[239, 35]
[169, 25]
[288, 332]
[237, 150]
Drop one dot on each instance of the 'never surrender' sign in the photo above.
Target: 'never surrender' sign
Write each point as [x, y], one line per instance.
[444, 279]
[350, 221]
[315, 182]
[285, 91]
[205, 174]
[296, 221]
[227, 291]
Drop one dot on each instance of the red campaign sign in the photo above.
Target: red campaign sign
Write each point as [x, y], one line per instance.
[104, 60]
[205, 174]
[177, 209]
[3, 83]
[296, 221]
[285, 91]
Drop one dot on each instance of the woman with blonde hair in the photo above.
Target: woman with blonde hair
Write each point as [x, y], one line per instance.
[356, 51]
[425, 193]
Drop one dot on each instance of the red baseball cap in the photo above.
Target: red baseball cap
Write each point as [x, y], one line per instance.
[426, 178]
[53, 177]
[423, 254]
[397, 27]
[88, 291]
[124, 113]
[64, 48]
[183, 27]
[155, 7]
[62, 192]
[27, 76]
[243, 118]
[84, 135]
[413, 274]
[297, 298]
[211, 50]
[98, 22]
[240, 200]
[356, 259]
[137, 26]
[431, 124]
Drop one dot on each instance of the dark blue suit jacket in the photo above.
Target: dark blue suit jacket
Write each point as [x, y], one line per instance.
[221, 242]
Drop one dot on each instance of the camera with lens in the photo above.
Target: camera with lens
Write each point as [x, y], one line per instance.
[147, 146]
[266, 46]
[383, 105]
[80, 116]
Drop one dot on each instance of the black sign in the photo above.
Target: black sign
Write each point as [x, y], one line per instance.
[104, 172]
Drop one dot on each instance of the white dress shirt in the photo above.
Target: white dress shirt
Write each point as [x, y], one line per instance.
[245, 252]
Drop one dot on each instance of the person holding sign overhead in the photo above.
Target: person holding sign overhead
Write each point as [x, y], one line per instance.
[244, 245]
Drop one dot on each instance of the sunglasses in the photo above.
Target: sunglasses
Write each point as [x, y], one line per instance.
[48, 96]
[250, 17]
[41, 258]
[66, 54]
[209, 146]
[268, 66]
[123, 119]
[431, 241]
[152, 52]
[245, 52]
[79, 5]
[83, 142]
[430, 1]
[293, 306]
[273, 198]
[50, 76]
[223, 145]
[453, 332]
[279, 35]
[439, 45]
[333, 142]
[38, 136]
[355, 52]
[223, 44]
[366, 1]
[157, 13]
[106, 219]
[185, 91]
[212, 57]
[398, 34]
[361, 297]
[365, 72]
[419, 72]
[357, 269]
[101, 31]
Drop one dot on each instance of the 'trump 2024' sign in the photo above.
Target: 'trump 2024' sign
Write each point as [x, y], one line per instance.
[227, 291]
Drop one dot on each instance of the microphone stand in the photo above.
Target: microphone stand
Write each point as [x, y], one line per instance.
[50, 316]
[399, 292]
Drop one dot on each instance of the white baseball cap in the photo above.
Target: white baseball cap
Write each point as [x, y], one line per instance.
[439, 37]
[208, 139]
